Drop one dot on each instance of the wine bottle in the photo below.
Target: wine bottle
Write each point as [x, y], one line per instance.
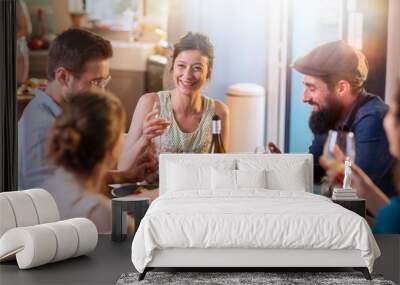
[216, 144]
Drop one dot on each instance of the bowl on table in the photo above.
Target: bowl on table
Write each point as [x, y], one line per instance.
[120, 190]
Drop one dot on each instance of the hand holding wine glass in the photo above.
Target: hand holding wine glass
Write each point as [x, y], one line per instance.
[165, 116]
[360, 181]
[338, 148]
[155, 123]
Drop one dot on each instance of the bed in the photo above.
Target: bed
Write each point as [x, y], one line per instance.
[247, 210]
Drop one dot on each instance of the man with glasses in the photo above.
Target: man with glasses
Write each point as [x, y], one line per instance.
[77, 60]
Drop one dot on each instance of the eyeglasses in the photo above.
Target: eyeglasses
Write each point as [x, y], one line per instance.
[100, 83]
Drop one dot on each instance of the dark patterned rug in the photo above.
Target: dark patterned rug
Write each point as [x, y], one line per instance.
[225, 278]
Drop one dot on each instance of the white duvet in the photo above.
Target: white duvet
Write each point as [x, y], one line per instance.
[252, 218]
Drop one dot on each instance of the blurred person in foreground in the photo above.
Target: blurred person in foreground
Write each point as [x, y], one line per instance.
[83, 144]
[387, 211]
[334, 78]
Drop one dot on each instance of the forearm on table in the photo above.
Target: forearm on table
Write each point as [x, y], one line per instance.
[115, 176]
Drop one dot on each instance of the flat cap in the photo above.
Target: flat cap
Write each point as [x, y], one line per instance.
[334, 58]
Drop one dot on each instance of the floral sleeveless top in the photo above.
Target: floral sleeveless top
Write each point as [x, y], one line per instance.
[174, 140]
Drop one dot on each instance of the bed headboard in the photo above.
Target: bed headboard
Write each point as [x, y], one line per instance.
[283, 163]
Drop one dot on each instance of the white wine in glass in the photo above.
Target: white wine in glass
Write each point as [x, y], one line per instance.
[168, 115]
[166, 123]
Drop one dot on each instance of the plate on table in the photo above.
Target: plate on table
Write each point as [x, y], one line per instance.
[120, 190]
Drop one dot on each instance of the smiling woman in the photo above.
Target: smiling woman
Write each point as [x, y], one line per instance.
[189, 126]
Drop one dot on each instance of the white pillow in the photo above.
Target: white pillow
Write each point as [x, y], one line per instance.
[281, 174]
[293, 178]
[223, 179]
[251, 178]
[184, 177]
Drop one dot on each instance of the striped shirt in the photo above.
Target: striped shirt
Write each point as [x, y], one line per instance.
[176, 141]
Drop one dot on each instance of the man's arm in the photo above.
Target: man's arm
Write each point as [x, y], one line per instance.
[34, 166]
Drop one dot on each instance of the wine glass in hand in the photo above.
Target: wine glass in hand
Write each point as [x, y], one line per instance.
[164, 121]
[339, 146]
[166, 116]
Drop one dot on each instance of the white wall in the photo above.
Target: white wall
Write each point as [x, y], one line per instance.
[239, 32]
[393, 49]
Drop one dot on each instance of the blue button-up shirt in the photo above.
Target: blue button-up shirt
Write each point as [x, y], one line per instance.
[33, 128]
[372, 147]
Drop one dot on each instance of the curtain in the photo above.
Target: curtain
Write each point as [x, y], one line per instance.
[8, 122]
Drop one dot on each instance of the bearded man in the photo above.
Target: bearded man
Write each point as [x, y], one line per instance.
[334, 77]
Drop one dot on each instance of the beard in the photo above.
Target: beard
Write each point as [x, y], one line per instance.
[326, 118]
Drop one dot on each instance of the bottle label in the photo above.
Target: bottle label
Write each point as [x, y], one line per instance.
[216, 126]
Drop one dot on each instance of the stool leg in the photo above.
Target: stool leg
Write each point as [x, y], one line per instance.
[117, 212]
[139, 210]
[124, 225]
